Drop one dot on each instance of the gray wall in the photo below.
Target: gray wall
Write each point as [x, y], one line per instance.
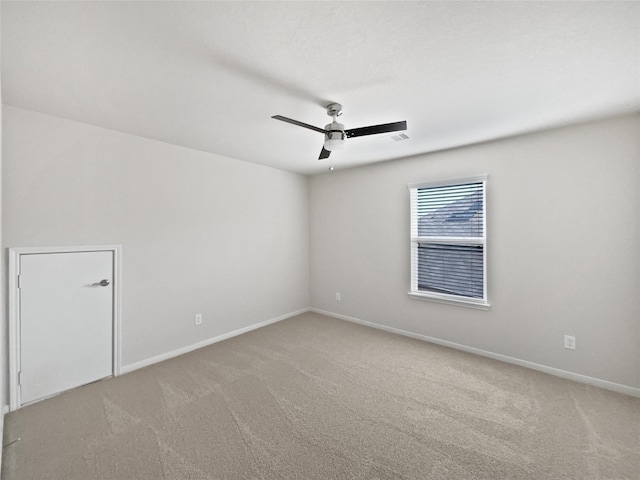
[563, 248]
[206, 234]
[200, 233]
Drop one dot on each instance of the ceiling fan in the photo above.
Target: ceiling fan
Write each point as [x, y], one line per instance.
[335, 134]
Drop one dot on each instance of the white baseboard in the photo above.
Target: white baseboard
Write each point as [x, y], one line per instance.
[616, 387]
[210, 341]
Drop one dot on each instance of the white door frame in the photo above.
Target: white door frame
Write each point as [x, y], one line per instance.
[14, 308]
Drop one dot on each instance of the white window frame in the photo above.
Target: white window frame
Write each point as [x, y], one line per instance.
[414, 293]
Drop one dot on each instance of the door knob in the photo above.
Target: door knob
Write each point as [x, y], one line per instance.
[104, 283]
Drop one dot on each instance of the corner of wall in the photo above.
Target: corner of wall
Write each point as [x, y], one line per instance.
[4, 359]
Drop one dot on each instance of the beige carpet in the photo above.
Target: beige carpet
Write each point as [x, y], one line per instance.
[317, 398]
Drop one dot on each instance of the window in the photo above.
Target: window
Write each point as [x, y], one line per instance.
[448, 242]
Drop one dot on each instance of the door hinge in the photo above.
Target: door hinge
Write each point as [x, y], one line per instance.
[19, 378]
[19, 281]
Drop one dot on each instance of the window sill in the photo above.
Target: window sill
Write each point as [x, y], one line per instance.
[450, 300]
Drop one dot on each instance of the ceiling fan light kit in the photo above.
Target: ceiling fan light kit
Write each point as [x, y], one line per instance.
[334, 137]
[335, 133]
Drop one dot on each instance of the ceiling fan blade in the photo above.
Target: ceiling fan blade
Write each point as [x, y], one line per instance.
[324, 153]
[300, 124]
[373, 129]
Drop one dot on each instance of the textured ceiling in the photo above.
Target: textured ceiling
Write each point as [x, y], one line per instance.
[209, 75]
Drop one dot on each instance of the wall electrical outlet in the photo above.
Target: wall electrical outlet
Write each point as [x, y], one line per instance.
[570, 342]
[337, 296]
[198, 319]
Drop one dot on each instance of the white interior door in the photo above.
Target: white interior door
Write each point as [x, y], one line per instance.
[66, 321]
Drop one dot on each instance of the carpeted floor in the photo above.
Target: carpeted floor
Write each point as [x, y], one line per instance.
[313, 397]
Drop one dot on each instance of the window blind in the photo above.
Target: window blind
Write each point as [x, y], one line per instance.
[451, 269]
[448, 239]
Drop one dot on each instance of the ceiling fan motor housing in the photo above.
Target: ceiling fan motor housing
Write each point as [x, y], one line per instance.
[334, 136]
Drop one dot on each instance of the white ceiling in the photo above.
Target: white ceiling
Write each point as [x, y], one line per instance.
[209, 75]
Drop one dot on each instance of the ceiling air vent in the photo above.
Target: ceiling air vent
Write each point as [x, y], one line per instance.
[399, 137]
